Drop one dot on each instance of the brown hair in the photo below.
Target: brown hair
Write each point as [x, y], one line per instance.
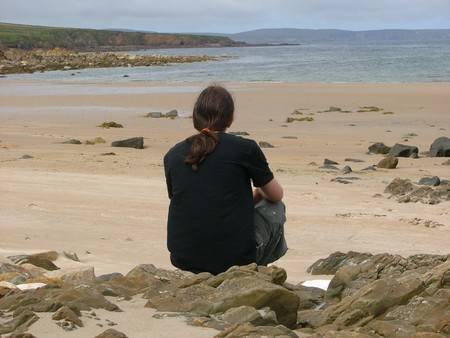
[213, 112]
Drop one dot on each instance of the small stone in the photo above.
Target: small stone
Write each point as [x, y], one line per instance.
[355, 160]
[72, 141]
[71, 255]
[154, 115]
[108, 154]
[264, 144]
[111, 333]
[110, 124]
[401, 150]
[329, 162]
[370, 168]
[26, 157]
[172, 114]
[346, 170]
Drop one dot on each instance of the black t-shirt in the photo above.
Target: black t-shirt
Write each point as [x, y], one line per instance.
[210, 223]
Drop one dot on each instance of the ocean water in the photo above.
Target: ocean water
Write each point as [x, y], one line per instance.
[381, 62]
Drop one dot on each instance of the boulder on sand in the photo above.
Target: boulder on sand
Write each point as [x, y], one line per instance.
[111, 333]
[388, 162]
[134, 142]
[379, 148]
[440, 147]
[401, 150]
[433, 181]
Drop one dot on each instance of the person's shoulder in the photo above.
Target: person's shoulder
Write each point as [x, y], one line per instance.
[243, 143]
[178, 148]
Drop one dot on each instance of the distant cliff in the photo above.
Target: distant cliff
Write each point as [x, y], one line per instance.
[29, 37]
[293, 35]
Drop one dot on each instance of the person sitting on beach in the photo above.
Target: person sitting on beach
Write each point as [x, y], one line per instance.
[215, 220]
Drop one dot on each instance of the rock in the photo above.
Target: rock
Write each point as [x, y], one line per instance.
[290, 137]
[405, 191]
[388, 162]
[247, 330]
[440, 147]
[355, 160]
[329, 162]
[346, 170]
[379, 148]
[19, 323]
[309, 297]
[43, 260]
[329, 167]
[401, 150]
[172, 114]
[111, 333]
[72, 141]
[399, 187]
[431, 181]
[333, 109]
[264, 144]
[154, 115]
[248, 314]
[331, 264]
[135, 142]
[74, 276]
[108, 154]
[96, 140]
[370, 168]
[345, 180]
[368, 109]
[6, 287]
[26, 157]
[108, 277]
[21, 335]
[300, 119]
[71, 255]
[110, 124]
[238, 133]
[68, 315]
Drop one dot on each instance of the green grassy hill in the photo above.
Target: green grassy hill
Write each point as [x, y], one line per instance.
[28, 37]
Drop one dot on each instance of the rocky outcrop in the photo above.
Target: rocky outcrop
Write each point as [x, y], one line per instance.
[22, 61]
[369, 295]
[384, 294]
[405, 191]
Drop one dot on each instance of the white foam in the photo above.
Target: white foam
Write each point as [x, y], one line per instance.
[317, 283]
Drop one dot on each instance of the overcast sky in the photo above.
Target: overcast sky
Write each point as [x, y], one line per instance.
[229, 16]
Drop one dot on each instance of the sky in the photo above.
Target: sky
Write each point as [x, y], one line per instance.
[229, 16]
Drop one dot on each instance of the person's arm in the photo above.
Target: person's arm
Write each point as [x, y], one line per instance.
[271, 191]
[168, 180]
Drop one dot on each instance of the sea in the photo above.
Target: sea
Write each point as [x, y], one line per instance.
[326, 62]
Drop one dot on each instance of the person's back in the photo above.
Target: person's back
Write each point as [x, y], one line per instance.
[211, 215]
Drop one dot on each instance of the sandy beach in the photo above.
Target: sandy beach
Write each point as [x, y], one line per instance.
[111, 209]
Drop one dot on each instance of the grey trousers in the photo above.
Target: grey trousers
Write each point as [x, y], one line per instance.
[269, 230]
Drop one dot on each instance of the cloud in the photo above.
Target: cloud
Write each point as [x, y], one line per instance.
[229, 15]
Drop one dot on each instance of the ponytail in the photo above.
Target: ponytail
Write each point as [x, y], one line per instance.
[202, 144]
[213, 112]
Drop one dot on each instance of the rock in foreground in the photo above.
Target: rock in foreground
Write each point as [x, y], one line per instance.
[440, 147]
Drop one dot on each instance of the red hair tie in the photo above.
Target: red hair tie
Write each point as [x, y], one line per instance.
[205, 131]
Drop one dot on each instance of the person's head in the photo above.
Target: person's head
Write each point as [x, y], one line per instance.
[213, 112]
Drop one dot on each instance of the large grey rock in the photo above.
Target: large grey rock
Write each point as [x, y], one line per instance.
[431, 181]
[402, 150]
[440, 147]
[135, 142]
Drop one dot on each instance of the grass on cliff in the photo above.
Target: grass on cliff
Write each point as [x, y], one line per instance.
[28, 37]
